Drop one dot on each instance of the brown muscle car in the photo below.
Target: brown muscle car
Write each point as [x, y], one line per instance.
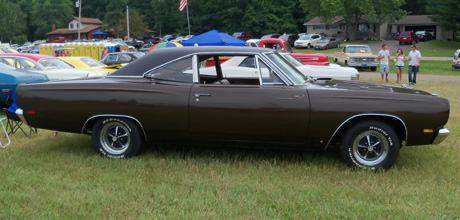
[164, 97]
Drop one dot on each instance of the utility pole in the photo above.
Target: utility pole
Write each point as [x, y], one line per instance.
[79, 18]
[127, 19]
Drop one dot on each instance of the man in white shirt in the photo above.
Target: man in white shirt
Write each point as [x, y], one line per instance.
[384, 57]
[414, 60]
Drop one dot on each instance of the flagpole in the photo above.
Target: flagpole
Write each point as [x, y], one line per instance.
[188, 20]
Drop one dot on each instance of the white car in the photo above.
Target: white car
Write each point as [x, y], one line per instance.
[54, 68]
[307, 41]
[333, 71]
[252, 42]
[243, 67]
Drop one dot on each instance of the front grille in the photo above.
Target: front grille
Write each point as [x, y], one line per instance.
[364, 59]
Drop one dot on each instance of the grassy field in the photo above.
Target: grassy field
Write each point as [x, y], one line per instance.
[47, 177]
[437, 48]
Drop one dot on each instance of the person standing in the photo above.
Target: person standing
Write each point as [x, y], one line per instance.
[384, 57]
[104, 52]
[400, 58]
[414, 61]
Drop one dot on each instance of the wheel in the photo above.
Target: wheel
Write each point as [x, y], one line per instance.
[338, 45]
[346, 63]
[335, 60]
[327, 47]
[308, 46]
[370, 145]
[116, 138]
[400, 43]
[373, 68]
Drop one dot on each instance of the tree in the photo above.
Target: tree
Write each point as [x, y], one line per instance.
[12, 21]
[137, 25]
[45, 13]
[376, 11]
[115, 10]
[446, 13]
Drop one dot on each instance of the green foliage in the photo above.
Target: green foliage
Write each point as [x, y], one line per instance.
[447, 13]
[137, 25]
[12, 22]
[46, 13]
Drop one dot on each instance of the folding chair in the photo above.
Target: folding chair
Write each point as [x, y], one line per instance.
[14, 123]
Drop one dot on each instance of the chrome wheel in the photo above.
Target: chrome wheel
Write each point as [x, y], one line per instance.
[370, 148]
[115, 138]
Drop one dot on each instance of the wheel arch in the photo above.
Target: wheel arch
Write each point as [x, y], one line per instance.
[89, 123]
[395, 122]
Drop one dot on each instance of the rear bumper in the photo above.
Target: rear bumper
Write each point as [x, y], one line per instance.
[443, 133]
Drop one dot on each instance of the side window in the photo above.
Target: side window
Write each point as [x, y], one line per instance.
[112, 57]
[7, 61]
[26, 64]
[268, 75]
[248, 62]
[125, 57]
[179, 71]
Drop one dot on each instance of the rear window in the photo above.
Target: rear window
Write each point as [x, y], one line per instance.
[405, 34]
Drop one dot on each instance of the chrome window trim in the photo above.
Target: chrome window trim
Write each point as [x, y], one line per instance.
[287, 81]
[196, 78]
[259, 70]
[367, 114]
[113, 115]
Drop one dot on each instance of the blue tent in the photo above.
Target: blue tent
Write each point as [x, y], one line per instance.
[214, 38]
[99, 32]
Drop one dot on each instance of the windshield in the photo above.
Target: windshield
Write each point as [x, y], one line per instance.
[420, 32]
[6, 67]
[91, 62]
[54, 63]
[359, 49]
[294, 74]
[305, 37]
[237, 34]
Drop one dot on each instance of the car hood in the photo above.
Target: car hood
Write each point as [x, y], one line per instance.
[367, 86]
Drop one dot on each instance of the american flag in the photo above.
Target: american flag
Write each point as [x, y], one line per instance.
[183, 4]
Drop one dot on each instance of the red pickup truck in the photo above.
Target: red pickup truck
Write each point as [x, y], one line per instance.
[283, 46]
[59, 40]
[243, 36]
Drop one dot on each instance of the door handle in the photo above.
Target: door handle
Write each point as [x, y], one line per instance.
[198, 95]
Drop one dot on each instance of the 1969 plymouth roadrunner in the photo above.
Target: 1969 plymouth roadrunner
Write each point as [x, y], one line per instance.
[164, 97]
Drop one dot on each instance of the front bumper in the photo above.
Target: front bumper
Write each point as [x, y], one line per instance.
[443, 133]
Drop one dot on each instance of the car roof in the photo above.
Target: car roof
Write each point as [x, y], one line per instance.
[162, 56]
[32, 56]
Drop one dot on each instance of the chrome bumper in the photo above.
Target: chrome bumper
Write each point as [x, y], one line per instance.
[442, 134]
[20, 113]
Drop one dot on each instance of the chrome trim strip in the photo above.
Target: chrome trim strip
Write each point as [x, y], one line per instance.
[110, 115]
[367, 114]
[258, 69]
[20, 113]
[269, 63]
[443, 133]
[196, 79]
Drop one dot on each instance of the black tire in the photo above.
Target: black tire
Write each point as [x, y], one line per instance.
[335, 60]
[400, 43]
[380, 153]
[373, 68]
[116, 138]
[308, 46]
[327, 47]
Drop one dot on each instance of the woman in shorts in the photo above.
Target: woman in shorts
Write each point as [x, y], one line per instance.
[399, 59]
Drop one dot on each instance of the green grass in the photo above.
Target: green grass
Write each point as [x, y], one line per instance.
[436, 48]
[47, 177]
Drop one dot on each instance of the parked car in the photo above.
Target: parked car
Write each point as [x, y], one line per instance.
[359, 56]
[326, 43]
[395, 36]
[164, 98]
[291, 38]
[252, 42]
[53, 67]
[243, 35]
[136, 44]
[59, 40]
[11, 77]
[284, 47]
[188, 37]
[408, 37]
[307, 41]
[270, 36]
[121, 57]
[168, 37]
[323, 72]
[424, 35]
[431, 30]
[88, 63]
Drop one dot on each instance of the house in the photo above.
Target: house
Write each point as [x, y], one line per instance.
[88, 26]
[337, 27]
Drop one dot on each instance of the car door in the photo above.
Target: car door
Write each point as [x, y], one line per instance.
[270, 111]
